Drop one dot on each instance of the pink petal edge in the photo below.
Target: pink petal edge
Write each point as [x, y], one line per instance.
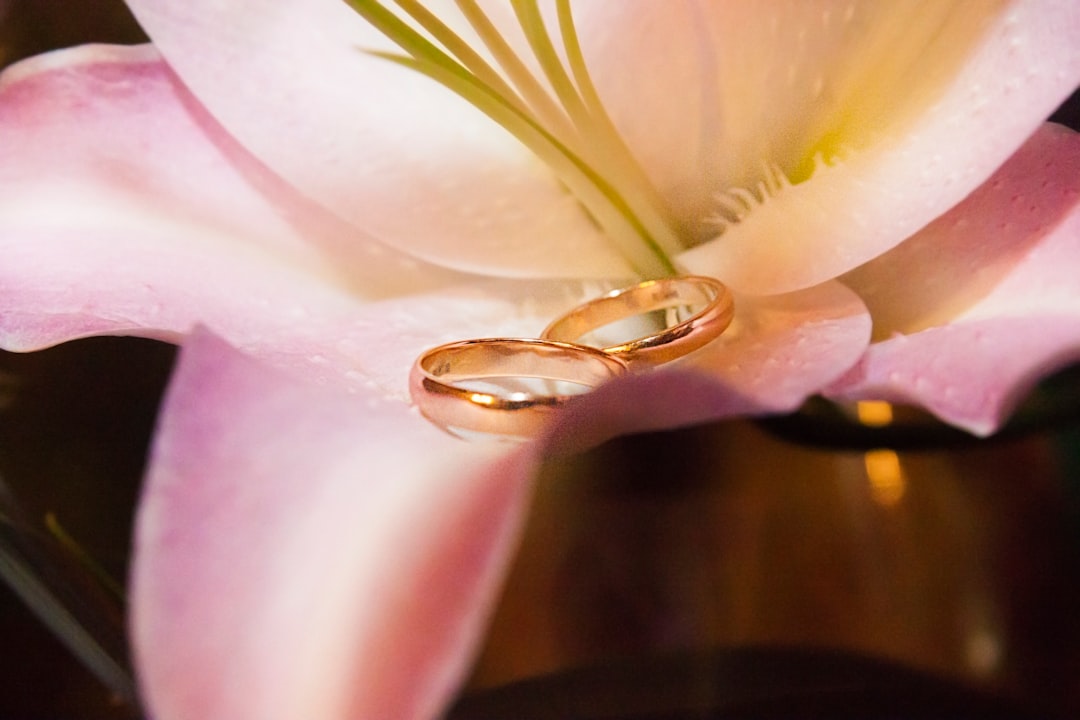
[914, 162]
[307, 552]
[125, 209]
[381, 145]
[230, 542]
[987, 295]
[778, 352]
[106, 228]
[157, 257]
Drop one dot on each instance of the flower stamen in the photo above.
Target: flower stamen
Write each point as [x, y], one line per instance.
[572, 132]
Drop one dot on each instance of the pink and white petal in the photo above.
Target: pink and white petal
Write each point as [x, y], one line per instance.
[230, 543]
[970, 374]
[381, 341]
[984, 301]
[124, 208]
[304, 551]
[1003, 250]
[654, 66]
[781, 349]
[381, 145]
[894, 111]
[778, 352]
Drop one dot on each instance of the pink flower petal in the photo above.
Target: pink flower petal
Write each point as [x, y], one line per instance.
[909, 108]
[88, 251]
[381, 145]
[125, 209]
[777, 352]
[782, 349]
[971, 375]
[105, 227]
[987, 296]
[305, 552]
[339, 554]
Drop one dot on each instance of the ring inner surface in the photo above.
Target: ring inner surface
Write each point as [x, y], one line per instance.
[505, 388]
[608, 320]
[490, 359]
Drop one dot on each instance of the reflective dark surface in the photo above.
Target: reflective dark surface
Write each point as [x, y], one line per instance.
[960, 563]
[744, 683]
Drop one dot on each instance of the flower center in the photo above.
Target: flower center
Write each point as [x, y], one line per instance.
[559, 117]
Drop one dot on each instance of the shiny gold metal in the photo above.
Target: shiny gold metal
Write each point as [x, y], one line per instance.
[444, 380]
[673, 342]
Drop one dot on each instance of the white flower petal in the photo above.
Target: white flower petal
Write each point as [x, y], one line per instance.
[384, 147]
[914, 104]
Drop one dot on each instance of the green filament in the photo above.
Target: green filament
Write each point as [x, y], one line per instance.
[572, 134]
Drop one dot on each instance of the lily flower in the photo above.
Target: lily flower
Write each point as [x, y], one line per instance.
[263, 185]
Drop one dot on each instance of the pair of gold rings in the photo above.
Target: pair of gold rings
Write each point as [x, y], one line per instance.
[511, 386]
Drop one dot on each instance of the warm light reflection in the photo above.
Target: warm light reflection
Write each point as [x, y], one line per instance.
[984, 651]
[887, 482]
[874, 413]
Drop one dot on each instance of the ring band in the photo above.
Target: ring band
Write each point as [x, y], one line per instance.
[445, 382]
[669, 344]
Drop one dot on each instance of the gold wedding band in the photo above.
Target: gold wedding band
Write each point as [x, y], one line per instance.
[675, 340]
[467, 385]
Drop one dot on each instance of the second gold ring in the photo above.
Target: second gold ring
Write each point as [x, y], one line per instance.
[707, 302]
